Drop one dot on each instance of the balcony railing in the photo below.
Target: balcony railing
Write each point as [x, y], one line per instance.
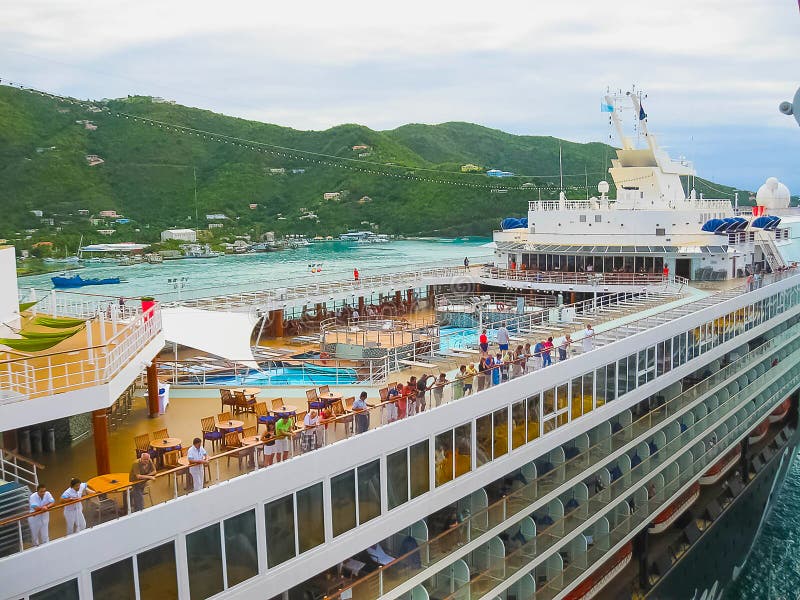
[95, 364]
[596, 280]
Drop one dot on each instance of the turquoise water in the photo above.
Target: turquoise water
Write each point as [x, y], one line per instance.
[233, 273]
[773, 569]
[310, 375]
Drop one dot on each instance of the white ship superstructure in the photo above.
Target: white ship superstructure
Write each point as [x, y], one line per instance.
[559, 481]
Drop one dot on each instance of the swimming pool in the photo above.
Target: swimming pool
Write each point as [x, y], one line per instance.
[308, 375]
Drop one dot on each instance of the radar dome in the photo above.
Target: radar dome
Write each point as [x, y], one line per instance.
[603, 187]
[773, 194]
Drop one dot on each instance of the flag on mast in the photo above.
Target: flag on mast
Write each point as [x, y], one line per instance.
[609, 108]
[642, 114]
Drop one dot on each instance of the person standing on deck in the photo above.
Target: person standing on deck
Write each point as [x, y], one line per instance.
[587, 343]
[355, 273]
[142, 471]
[361, 409]
[40, 502]
[547, 356]
[470, 373]
[666, 272]
[563, 347]
[503, 337]
[483, 341]
[198, 457]
[466, 263]
[283, 429]
[438, 390]
[73, 513]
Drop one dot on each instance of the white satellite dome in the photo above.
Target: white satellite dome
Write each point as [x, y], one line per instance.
[773, 194]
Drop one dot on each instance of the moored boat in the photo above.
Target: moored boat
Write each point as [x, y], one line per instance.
[75, 281]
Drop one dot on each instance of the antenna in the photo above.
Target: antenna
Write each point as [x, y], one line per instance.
[196, 221]
[560, 168]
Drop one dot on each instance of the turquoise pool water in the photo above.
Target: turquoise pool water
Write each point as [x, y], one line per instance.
[310, 375]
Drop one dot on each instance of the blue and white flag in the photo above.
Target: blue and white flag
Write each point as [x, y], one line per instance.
[642, 114]
[609, 108]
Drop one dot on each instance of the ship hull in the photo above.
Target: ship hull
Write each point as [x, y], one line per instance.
[716, 559]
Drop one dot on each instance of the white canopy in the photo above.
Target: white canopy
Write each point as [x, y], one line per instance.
[223, 334]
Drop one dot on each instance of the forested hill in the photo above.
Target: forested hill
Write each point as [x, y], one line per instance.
[147, 173]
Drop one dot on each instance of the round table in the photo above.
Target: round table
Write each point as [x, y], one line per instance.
[171, 443]
[285, 411]
[108, 483]
[251, 441]
[231, 425]
[250, 391]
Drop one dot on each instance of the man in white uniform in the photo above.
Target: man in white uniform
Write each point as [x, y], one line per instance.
[73, 513]
[198, 457]
[587, 343]
[40, 502]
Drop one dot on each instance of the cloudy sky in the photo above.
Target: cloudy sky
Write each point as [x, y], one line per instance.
[714, 70]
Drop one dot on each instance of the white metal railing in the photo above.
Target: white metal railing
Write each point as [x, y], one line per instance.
[594, 279]
[14, 467]
[58, 372]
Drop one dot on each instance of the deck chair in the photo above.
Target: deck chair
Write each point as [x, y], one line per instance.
[222, 417]
[142, 443]
[160, 434]
[313, 400]
[277, 404]
[324, 390]
[227, 399]
[233, 441]
[251, 431]
[210, 432]
[262, 414]
[243, 403]
[384, 394]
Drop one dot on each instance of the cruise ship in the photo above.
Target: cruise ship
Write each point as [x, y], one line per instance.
[637, 458]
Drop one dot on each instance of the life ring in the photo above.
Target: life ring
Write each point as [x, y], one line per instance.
[501, 307]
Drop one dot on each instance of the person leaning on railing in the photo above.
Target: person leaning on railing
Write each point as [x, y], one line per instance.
[40, 502]
[142, 471]
[283, 431]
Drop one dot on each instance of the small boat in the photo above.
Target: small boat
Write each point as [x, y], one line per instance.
[72, 281]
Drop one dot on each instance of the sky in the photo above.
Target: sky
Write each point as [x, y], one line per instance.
[714, 71]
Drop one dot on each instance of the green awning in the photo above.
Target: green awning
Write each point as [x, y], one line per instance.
[31, 345]
[58, 322]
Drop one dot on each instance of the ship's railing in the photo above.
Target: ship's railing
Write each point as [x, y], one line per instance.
[94, 364]
[585, 278]
[574, 470]
[82, 305]
[448, 302]
[15, 467]
[172, 485]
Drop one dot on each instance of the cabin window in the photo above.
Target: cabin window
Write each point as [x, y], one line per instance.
[158, 579]
[204, 558]
[279, 518]
[534, 410]
[500, 432]
[241, 549]
[397, 478]
[463, 445]
[63, 591]
[419, 462]
[483, 437]
[114, 580]
[369, 491]
[583, 218]
[598, 218]
[517, 425]
[661, 231]
[343, 501]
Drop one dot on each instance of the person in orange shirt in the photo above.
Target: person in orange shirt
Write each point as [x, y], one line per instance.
[409, 395]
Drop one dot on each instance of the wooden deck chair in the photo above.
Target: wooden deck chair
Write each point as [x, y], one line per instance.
[242, 403]
[384, 393]
[233, 441]
[313, 400]
[160, 434]
[226, 398]
[210, 432]
[262, 414]
[324, 390]
[222, 417]
[251, 431]
[277, 404]
[142, 443]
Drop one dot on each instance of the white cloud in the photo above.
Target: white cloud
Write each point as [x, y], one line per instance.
[530, 67]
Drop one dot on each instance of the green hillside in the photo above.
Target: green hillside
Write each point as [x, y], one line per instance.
[415, 187]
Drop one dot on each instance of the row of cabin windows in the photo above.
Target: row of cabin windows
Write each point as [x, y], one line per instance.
[224, 554]
[598, 264]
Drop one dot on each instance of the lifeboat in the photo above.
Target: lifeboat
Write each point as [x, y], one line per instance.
[667, 516]
[779, 414]
[759, 432]
[718, 469]
[591, 586]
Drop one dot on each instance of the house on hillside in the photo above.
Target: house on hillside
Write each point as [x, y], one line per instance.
[110, 214]
[252, 206]
[215, 225]
[298, 171]
[94, 160]
[87, 124]
[217, 217]
[360, 147]
[83, 212]
[106, 231]
[278, 171]
[331, 195]
[364, 199]
[499, 173]
[528, 185]
[37, 213]
[470, 168]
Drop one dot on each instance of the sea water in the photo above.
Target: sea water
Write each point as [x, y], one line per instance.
[325, 261]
